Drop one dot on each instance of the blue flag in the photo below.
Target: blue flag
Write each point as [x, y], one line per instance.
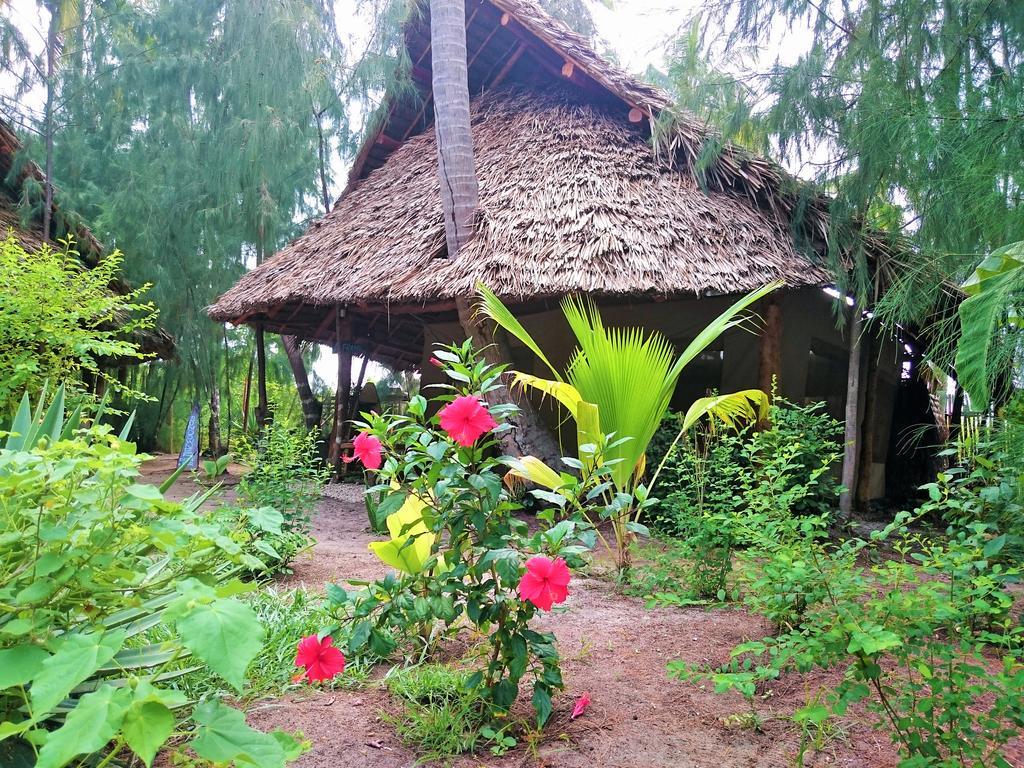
[189, 455]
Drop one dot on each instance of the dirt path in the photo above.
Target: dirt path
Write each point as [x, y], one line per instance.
[613, 648]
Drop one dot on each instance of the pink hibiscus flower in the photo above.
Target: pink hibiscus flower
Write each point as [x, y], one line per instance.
[367, 449]
[320, 658]
[465, 419]
[545, 582]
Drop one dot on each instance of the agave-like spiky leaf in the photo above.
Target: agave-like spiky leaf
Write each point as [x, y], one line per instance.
[53, 421]
[20, 427]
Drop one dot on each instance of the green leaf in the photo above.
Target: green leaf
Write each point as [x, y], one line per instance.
[88, 727]
[266, 519]
[144, 492]
[223, 633]
[77, 657]
[223, 736]
[20, 427]
[147, 726]
[994, 546]
[20, 664]
[991, 292]
[541, 704]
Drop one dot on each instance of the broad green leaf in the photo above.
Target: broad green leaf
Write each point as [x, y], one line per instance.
[77, 657]
[223, 736]
[411, 542]
[87, 728]
[223, 632]
[147, 726]
[20, 664]
[991, 294]
[541, 705]
[536, 471]
[266, 519]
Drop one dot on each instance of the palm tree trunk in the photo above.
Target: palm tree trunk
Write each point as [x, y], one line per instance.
[460, 198]
[312, 409]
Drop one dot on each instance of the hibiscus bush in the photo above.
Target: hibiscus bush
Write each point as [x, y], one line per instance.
[460, 554]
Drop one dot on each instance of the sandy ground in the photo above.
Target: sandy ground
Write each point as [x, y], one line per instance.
[613, 648]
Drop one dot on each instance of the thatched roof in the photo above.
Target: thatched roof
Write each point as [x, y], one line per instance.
[572, 198]
[15, 174]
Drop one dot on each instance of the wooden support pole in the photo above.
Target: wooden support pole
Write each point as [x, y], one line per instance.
[851, 436]
[771, 344]
[869, 422]
[354, 405]
[635, 115]
[342, 332]
[262, 405]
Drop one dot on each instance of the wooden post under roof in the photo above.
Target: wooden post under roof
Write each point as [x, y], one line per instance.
[262, 405]
[851, 436]
[342, 334]
[771, 344]
[869, 421]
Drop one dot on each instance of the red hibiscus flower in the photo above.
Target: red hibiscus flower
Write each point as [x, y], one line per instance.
[465, 419]
[581, 706]
[367, 449]
[545, 582]
[320, 658]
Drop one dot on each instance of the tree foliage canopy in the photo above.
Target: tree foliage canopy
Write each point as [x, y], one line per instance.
[910, 112]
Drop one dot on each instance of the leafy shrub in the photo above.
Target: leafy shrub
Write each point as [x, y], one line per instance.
[103, 583]
[682, 573]
[983, 484]
[713, 470]
[286, 473]
[58, 319]
[456, 544]
[925, 638]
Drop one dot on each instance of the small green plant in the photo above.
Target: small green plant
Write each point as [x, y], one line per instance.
[459, 551]
[214, 468]
[619, 382]
[683, 573]
[286, 474]
[59, 319]
[440, 715]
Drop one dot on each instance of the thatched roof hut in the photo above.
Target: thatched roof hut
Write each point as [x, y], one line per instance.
[16, 174]
[572, 198]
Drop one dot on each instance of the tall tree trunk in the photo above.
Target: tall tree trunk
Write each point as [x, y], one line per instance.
[852, 432]
[214, 443]
[460, 197]
[263, 406]
[770, 364]
[51, 55]
[312, 408]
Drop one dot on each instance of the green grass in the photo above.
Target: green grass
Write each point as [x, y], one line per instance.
[440, 718]
[286, 617]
